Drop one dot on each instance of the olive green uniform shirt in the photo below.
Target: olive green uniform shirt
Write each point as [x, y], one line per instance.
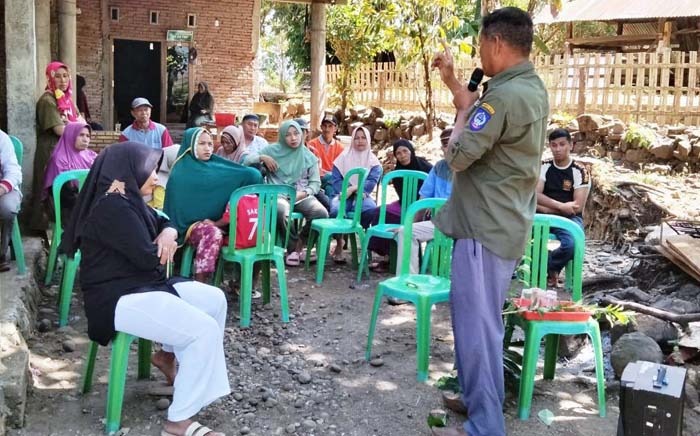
[497, 159]
[47, 117]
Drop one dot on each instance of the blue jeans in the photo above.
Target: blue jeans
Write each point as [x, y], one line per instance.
[562, 255]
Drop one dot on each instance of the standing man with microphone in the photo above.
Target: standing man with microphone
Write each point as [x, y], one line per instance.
[495, 151]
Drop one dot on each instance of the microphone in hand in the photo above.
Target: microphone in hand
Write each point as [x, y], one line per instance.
[476, 78]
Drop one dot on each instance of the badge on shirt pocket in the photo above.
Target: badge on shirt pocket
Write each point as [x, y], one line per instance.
[567, 185]
[479, 119]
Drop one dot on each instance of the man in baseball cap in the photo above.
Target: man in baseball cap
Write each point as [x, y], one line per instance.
[143, 129]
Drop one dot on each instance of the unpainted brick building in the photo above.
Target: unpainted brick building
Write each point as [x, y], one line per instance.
[113, 34]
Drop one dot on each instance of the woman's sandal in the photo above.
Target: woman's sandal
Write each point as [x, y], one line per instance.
[379, 267]
[194, 429]
[293, 259]
[302, 257]
[339, 258]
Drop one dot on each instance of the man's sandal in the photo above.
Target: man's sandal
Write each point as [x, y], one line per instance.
[194, 429]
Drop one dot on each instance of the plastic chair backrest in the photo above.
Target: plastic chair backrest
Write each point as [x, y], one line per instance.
[537, 251]
[441, 256]
[361, 174]
[266, 222]
[19, 148]
[58, 182]
[409, 190]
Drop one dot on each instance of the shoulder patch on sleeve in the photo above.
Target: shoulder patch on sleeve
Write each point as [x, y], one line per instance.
[480, 118]
[489, 108]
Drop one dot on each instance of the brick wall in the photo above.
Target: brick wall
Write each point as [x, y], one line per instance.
[225, 54]
[3, 88]
[89, 60]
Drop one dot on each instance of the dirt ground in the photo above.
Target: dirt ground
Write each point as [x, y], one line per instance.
[307, 377]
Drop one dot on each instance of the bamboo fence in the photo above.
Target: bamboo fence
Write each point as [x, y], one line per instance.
[655, 87]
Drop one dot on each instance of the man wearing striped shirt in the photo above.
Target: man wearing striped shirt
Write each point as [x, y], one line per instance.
[562, 190]
[144, 130]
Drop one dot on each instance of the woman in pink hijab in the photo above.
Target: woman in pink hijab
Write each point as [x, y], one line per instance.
[54, 109]
[233, 145]
[71, 153]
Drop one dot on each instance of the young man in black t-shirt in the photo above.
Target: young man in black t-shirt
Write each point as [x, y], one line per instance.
[562, 190]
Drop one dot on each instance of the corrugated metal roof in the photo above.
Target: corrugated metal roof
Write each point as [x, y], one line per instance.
[617, 10]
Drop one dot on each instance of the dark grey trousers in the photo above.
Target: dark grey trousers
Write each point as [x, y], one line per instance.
[480, 282]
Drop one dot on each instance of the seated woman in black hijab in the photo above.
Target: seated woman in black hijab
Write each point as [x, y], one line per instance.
[201, 107]
[406, 159]
[125, 246]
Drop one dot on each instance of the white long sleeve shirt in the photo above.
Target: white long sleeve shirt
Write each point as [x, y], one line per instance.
[10, 171]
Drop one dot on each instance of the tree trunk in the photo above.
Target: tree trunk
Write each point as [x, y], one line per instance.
[344, 91]
[428, 108]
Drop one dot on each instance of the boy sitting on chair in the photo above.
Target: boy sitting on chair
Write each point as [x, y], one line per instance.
[562, 190]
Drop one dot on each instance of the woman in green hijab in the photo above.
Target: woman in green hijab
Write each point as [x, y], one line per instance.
[298, 167]
[197, 194]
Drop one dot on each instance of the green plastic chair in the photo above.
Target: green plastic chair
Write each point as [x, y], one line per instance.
[535, 331]
[265, 249]
[59, 181]
[383, 230]
[323, 229]
[70, 268]
[16, 238]
[117, 374]
[422, 290]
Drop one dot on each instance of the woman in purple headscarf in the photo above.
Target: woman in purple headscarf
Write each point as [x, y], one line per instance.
[71, 153]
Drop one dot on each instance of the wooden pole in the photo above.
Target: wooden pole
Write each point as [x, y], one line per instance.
[318, 64]
[582, 73]
[668, 29]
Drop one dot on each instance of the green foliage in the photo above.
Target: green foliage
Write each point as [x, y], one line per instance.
[614, 314]
[639, 135]
[391, 121]
[448, 383]
[512, 371]
[276, 65]
[290, 21]
[437, 418]
[562, 118]
[512, 365]
[356, 32]
[417, 32]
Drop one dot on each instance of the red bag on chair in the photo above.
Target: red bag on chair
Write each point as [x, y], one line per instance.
[246, 221]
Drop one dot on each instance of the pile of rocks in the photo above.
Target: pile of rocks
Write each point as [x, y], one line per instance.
[669, 148]
[386, 126]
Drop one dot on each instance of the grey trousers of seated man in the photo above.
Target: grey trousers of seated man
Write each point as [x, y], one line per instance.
[9, 207]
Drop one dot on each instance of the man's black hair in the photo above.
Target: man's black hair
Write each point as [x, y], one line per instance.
[445, 135]
[559, 133]
[513, 25]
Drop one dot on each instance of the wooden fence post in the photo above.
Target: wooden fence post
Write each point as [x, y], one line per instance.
[582, 73]
[382, 85]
